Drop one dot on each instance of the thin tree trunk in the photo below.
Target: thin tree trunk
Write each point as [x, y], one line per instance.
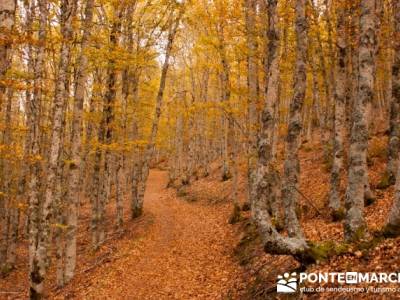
[106, 137]
[225, 96]
[340, 111]
[53, 171]
[7, 15]
[292, 165]
[327, 84]
[35, 270]
[127, 76]
[76, 147]
[252, 85]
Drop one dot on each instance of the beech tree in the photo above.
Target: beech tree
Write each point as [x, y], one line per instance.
[7, 19]
[393, 224]
[274, 242]
[394, 125]
[358, 185]
[36, 259]
[76, 147]
[340, 111]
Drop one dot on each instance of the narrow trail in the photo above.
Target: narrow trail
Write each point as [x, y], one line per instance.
[185, 252]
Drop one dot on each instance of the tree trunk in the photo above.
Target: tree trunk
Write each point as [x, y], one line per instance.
[394, 130]
[67, 14]
[392, 228]
[35, 270]
[106, 137]
[393, 225]
[252, 85]
[7, 15]
[328, 89]
[292, 165]
[76, 147]
[355, 226]
[340, 110]
[265, 174]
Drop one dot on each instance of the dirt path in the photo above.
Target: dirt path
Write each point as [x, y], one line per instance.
[184, 253]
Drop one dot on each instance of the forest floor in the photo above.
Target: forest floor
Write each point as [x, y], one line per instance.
[184, 252]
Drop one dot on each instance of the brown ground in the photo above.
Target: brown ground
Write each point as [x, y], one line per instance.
[184, 254]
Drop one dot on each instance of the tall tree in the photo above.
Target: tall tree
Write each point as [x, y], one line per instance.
[76, 147]
[68, 9]
[274, 242]
[252, 82]
[36, 267]
[7, 20]
[340, 110]
[394, 123]
[106, 133]
[355, 227]
[393, 224]
[292, 165]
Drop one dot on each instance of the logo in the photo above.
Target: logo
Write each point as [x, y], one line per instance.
[351, 277]
[287, 283]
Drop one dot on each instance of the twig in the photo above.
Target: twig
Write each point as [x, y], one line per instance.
[310, 202]
[106, 256]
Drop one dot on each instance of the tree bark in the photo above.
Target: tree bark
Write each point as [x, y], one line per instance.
[106, 137]
[394, 130]
[340, 110]
[7, 19]
[265, 175]
[393, 225]
[36, 275]
[252, 86]
[292, 165]
[76, 147]
[7, 16]
[68, 9]
[355, 226]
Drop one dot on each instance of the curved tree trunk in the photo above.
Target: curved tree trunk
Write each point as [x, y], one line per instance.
[265, 174]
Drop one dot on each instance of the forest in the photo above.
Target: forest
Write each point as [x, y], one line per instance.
[198, 149]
